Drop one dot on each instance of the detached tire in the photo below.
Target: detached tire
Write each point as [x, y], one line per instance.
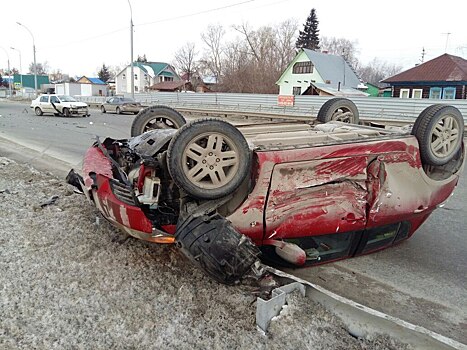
[208, 158]
[439, 130]
[215, 246]
[156, 117]
[339, 109]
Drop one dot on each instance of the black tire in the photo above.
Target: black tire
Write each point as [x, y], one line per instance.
[156, 117]
[38, 111]
[339, 109]
[118, 110]
[66, 112]
[103, 109]
[439, 130]
[215, 246]
[203, 167]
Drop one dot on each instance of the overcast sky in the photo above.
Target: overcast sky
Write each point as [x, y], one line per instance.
[77, 37]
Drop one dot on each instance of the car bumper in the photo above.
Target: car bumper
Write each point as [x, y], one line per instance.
[116, 202]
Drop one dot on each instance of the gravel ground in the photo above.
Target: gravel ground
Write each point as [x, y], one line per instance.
[69, 282]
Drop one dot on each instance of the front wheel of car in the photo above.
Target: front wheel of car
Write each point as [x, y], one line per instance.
[66, 112]
[156, 117]
[208, 158]
[103, 109]
[38, 111]
[118, 110]
[439, 130]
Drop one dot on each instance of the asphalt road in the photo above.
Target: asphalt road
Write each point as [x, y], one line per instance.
[422, 280]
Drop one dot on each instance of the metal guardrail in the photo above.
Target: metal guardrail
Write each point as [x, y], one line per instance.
[261, 105]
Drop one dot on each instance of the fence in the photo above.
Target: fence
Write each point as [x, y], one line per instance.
[382, 108]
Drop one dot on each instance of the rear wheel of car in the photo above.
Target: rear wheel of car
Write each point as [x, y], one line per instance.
[118, 110]
[339, 109]
[439, 130]
[103, 109]
[38, 111]
[156, 117]
[208, 158]
[66, 112]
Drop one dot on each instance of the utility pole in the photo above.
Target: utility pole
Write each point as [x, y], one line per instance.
[34, 52]
[447, 38]
[131, 63]
[20, 69]
[9, 71]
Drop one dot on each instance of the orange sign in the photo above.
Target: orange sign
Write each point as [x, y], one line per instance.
[285, 100]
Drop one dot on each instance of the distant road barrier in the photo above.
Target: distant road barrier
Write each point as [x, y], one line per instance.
[376, 109]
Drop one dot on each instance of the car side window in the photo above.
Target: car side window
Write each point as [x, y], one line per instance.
[54, 99]
[110, 100]
[44, 98]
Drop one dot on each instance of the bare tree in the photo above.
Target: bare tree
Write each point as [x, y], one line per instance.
[261, 57]
[285, 42]
[213, 55]
[377, 70]
[42, 68]
[341, 47]
[185, 60]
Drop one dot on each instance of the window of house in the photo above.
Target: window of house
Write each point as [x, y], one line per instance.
[136, 88]
[302, 68]
[417, 93]
[435, 92]
[449, 93]
[168, 79]
[405, 93]
[161, 79]
[297, 90]
[136, 76]
[123, 76]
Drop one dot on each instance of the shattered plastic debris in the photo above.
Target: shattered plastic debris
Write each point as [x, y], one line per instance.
[75, 179]
[49, 201]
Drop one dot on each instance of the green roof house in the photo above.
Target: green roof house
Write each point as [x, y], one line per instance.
[146, 74]
[318, 73]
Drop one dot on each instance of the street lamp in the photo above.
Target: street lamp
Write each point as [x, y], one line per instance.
[20, 69]
[34, 52]
[9, 72]
[131, 49]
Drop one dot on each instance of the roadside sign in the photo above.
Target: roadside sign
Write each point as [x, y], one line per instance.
[285, 100]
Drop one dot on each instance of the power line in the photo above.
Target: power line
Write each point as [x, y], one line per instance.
[148, 23]
[195, 13]
[86, 39]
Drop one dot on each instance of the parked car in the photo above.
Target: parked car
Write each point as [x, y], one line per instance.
[292, 194]
[121, 105]
[59, 105]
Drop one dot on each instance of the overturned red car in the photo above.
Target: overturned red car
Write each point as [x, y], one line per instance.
[291, 194]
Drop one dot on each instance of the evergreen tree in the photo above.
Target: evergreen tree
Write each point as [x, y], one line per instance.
[104, 73]
[309, 37]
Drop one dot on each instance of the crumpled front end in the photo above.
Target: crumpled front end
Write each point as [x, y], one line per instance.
[117, 200]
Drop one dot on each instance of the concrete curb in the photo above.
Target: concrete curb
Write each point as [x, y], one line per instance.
[362, 321]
